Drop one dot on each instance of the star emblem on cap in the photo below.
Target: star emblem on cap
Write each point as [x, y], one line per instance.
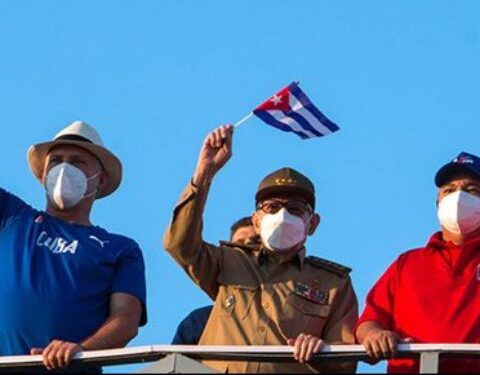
[285, 181]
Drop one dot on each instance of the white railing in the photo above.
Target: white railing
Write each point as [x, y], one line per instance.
[428, 353]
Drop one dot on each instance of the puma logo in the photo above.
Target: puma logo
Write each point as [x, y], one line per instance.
[102, 243]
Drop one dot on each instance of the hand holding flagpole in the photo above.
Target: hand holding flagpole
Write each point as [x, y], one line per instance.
[215, 152]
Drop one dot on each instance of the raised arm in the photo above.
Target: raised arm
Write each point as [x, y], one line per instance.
[10, 208]
[183, 238]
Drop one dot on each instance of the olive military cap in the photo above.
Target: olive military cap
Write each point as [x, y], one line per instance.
[286, 180]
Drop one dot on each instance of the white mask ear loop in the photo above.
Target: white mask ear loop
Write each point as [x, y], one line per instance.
[94, 191]
[307, 225]
[308, 221]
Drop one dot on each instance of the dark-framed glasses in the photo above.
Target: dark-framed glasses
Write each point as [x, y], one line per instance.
[297, 208]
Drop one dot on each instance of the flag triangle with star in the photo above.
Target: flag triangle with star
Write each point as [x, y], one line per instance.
[279, 101]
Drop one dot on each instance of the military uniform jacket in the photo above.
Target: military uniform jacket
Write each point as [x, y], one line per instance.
[261, 297]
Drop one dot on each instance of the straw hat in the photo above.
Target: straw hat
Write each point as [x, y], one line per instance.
[83, 135]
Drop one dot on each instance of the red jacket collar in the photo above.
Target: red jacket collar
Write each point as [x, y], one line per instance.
[436, 242]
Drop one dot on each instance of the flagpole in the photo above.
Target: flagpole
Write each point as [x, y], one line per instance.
[238, 123]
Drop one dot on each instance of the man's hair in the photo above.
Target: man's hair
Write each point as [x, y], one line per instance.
[243, 222]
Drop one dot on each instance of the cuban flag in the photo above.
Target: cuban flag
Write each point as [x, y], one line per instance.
[291, 110]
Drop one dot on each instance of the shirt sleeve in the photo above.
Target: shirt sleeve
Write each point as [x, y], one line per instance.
[11, 207]
[183, 240]
[130, 277]
[379, 305]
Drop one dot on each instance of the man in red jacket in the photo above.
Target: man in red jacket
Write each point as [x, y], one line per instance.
[432, 294]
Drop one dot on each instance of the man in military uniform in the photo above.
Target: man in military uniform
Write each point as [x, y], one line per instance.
[270, 294]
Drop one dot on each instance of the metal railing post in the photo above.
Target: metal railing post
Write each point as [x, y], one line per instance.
[177, 364]
[429, 362]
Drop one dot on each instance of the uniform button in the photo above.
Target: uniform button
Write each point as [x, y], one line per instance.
[266, 305]
[262, 329]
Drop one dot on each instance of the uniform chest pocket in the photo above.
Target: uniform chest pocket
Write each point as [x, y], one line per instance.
[307, 307]
[303, 316]
[235, 297]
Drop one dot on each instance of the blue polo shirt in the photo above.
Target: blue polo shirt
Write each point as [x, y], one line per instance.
[57, 277]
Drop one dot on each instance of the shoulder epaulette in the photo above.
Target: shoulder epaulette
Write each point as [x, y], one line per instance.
[328, 265]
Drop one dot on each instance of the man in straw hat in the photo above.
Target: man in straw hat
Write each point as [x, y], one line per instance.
[67, 285]
[272, 293]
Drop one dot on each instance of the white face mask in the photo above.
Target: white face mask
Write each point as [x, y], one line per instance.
[66, 185]
[459, 212]
[282, 231]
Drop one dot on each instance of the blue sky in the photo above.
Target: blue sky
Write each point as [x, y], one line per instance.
[154, 77]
